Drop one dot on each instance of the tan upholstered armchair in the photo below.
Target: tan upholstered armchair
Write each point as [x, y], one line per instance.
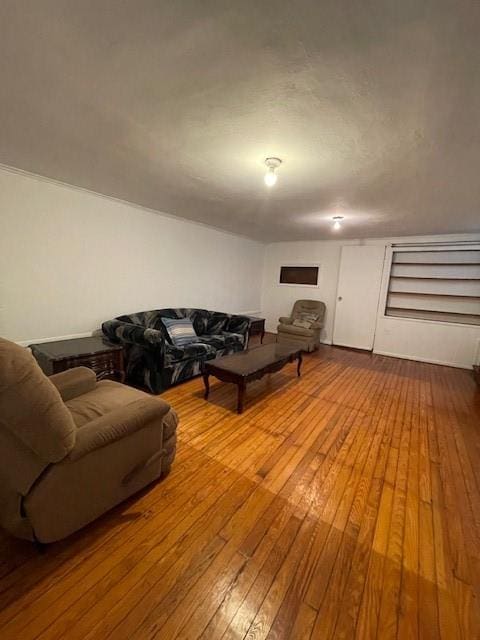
[308, 338]
[72, 448]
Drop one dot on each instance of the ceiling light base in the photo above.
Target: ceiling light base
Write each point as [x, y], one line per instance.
[273, 163]
[271, 177]
[337, 220]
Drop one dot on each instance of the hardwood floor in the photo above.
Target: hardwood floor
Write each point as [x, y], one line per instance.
[344, 504]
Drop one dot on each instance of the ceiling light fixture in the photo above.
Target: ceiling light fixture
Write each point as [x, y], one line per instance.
[271, 177]
[337, 220]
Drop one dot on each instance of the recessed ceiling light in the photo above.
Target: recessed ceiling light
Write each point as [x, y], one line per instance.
[271, 177]
[337, 220]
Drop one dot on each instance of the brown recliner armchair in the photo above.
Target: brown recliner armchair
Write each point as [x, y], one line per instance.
[72, 448]
[307, 339]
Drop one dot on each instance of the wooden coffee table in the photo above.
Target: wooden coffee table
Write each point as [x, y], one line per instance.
[245, 366]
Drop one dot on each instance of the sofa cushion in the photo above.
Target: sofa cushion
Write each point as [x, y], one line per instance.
[222, 340]
[293, 330]
[217, 341]
[305, 320]
[199, 318]
[193, 351]
[216, 323]
[180, 330]
[232, 338]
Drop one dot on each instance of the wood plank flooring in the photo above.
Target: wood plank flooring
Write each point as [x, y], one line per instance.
[344, 504]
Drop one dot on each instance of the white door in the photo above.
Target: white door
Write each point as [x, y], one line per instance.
[358, 292]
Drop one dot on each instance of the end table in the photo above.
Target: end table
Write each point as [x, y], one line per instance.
[257, 328]
[97, 353]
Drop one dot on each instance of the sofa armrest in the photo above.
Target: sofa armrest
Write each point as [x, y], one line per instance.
[285, 320]
[74, 382]
[238, 324]
[118, 424]
[129, 333]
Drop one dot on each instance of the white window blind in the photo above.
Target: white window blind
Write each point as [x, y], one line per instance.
[441, 284]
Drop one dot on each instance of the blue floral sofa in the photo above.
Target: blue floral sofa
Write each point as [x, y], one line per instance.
[152, 361]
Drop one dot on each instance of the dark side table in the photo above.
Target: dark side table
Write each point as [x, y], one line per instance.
[257, 327]
[105, 358]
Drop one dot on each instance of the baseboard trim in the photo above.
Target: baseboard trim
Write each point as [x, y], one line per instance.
[443, 363]
[349, 346]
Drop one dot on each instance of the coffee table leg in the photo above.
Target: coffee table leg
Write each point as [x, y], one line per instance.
[299, 364]
[241, 396]
[207, 386]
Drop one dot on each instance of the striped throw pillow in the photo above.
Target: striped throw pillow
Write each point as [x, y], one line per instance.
[180, 330]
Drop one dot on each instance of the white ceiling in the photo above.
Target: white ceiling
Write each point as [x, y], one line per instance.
[373, 106]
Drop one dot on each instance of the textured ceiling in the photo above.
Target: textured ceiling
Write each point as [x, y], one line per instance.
[374, 107]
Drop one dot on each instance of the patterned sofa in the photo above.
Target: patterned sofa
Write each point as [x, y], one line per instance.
[152, 361]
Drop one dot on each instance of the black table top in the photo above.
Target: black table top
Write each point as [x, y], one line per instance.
[61, 349]
[244, 363]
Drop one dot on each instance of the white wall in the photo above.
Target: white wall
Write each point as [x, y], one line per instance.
[456, 345]
[70, 259]
[277, 299]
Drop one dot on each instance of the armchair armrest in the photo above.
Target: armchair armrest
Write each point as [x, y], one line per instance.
[316, 325]
[130, 333]
[74, 382]
[285, 320]
[117, 424]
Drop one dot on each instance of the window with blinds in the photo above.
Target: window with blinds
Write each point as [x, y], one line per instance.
[435, 284]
